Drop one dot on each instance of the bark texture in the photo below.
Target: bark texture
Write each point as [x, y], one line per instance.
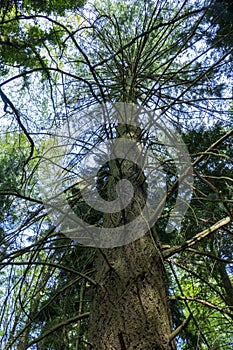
[130, 307]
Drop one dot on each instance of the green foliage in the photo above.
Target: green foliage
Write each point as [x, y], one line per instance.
[57, 7]
[221, 16]
[23, 37]
[152, 53]
[70, 295]
[12, 158]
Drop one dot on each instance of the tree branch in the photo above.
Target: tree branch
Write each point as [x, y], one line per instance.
[7, 103]
[196, 239]
[215, 144]
[45, 263]
[180, 328]
[203, 302]
[58, 326]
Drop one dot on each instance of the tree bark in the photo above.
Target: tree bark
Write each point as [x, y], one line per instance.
[130, 308]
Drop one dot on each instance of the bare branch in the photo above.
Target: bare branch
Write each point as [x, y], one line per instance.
[196, 239]
[203, 302]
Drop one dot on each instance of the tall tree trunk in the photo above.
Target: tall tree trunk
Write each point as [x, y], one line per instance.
[130, 308]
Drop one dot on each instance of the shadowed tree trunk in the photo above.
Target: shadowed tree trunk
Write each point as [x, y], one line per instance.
[130, 307]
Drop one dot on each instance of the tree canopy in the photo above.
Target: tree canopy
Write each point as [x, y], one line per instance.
[59, 61]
